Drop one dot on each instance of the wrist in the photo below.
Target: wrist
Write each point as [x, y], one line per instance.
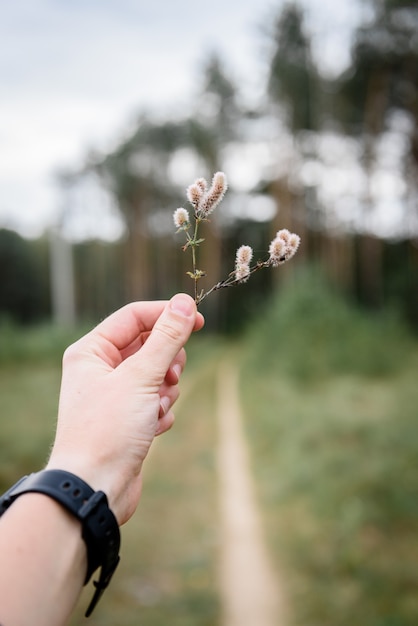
[98, 478]
[83, 470]
[99, 527]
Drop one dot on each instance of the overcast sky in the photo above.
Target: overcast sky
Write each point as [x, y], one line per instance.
[75, 73]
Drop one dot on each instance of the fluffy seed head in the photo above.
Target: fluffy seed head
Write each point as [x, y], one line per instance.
[244, 255]
[202, 183]
[242, 272]
[277, 251]
[212, 198]
[194, 194]
[284, 234]
[292, 246]
[283, 247]
[181, 218]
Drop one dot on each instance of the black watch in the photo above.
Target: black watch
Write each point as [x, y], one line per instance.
[100, 529]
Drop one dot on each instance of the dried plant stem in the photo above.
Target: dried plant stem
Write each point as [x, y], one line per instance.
[196, 276]
[231, 280]
[193, 243]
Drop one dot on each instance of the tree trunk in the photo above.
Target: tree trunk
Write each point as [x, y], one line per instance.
[62, 279]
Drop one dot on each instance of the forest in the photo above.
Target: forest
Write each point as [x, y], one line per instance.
[333, 159]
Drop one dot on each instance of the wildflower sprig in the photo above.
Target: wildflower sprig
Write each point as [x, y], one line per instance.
[204, 200]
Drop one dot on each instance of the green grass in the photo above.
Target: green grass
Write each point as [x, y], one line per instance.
[28, 408]
[30, 372]
[334, 435]
[19, 344]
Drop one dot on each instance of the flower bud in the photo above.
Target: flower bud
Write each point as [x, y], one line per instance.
[277, 251]
[181, 218]
[214, 196]
[242, 272]
[244, 255]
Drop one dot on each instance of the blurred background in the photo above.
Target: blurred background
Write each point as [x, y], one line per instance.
[109, 110]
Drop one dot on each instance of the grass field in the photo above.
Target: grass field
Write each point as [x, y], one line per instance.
[331, 413]
[330, 396]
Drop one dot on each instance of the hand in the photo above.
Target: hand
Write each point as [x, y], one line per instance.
[118, 386]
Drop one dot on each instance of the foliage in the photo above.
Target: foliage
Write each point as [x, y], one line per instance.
[293, 79]
[22, 287]
[384, 71]
[34, 344]
[317, 333]
[223, 112]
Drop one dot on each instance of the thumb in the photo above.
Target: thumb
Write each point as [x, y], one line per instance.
[169, 334]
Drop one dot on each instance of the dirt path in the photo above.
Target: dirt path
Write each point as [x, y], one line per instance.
[250, 588]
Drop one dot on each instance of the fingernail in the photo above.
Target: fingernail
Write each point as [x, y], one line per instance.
[177, 370]
[164, 406]
[182, 304]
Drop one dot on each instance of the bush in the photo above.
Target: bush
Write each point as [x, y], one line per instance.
[38, 343]
[309, 331]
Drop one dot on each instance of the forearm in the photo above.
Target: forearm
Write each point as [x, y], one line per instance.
[43, 562]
